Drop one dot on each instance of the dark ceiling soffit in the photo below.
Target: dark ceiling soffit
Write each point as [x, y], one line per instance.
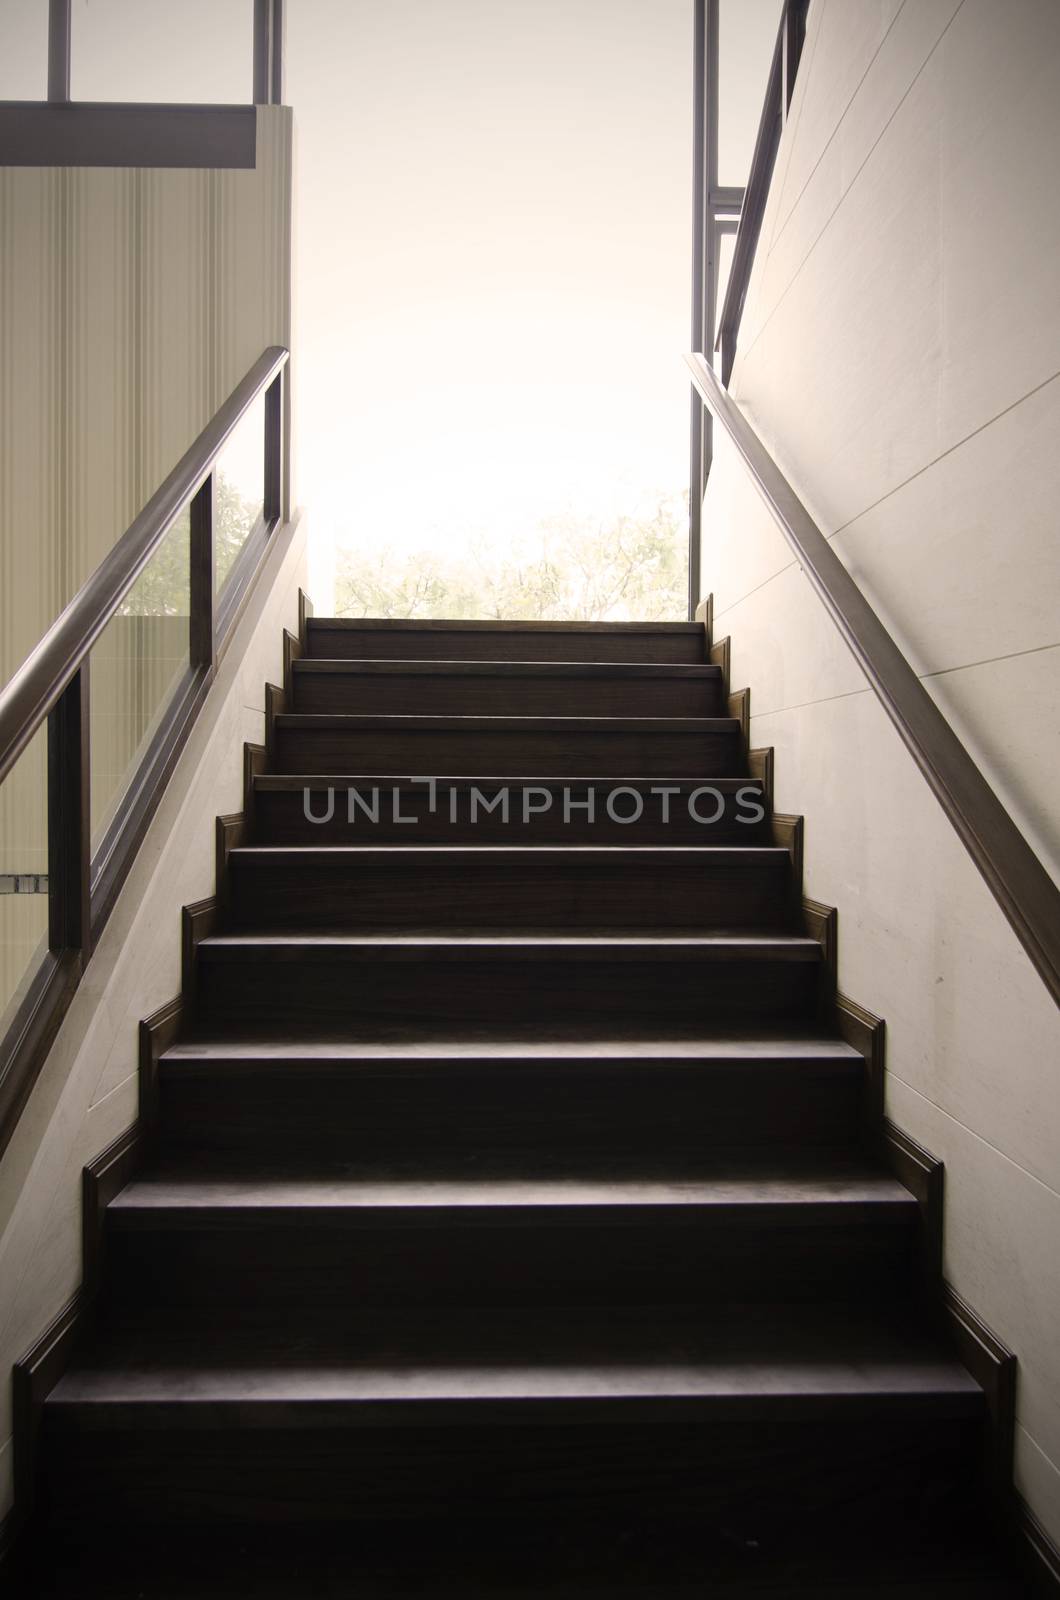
[104, 134]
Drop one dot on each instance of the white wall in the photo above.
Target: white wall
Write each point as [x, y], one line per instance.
[900, 354]
[87, 1093]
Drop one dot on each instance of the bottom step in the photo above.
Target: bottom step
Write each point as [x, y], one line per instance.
[535, 1560]
[763, 1419]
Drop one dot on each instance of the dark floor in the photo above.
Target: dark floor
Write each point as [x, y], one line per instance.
[536, 1558]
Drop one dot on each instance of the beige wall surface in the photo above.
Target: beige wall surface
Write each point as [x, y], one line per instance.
[900, 354]
[132, 301]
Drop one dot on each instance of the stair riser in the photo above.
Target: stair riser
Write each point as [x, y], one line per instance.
[390, 1116]
[314, 996]
[748, 1478]
[716, 754]
[504, 1258]
[471, 889]
[280, 817]
[369, 644]
[377, 694]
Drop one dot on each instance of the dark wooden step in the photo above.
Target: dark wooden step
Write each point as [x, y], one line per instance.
[376, 1103]
[510, 888]
[360, 638]
[352, 986]
[792, 1228]
[377, 1369]
[573, 1411]
[508, 688]
[578, 747]
[377, 809]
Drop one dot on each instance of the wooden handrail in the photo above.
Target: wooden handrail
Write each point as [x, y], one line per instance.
[86, 874]
[779, 87]
[1017, 879]
[35, 688]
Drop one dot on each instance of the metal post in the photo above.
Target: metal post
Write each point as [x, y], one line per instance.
[277, 54]
[59, 51]
[274, 450]
[704, 264]
[268, 52]
[203, 640]
[69, 819]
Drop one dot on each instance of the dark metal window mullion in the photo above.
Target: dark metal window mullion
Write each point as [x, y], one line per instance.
[59, 51]
[268, 52]
[704, 262]
[70, 819]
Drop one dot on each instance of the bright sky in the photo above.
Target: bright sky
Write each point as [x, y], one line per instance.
[492, 233]
[493, 256]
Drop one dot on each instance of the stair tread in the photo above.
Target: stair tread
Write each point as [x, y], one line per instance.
[737, 854]
[648, 945]
[480, 722]
[492, 625]
[454, 667]
[751, 1186]
[725, 1047]
[769, 1353]
[287, 781]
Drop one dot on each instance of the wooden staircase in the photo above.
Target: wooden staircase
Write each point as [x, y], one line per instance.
[510, 1211]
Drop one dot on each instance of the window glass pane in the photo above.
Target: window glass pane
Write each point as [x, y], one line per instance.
[519, 239]
[23, 871]
[747, 38]
[240, 487]
[135, 666]
[24, 50]
[156, 50]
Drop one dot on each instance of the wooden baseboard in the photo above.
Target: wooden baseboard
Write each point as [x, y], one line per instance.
[760, 766]
[787, 832]
[923, 1176]
[738, 705]
[33, 1379]
[42, 1366]
[1038, 1556]
[229, 833]
[868, 1034]
[720, 655]
[255, 761]
[101, 1180]
[305, 611]
[993, 1366]
[705, 615]
[198, 920]
[275, 705]
[292, 652]
[822, 923]
[157, 1032]
[8, 1534]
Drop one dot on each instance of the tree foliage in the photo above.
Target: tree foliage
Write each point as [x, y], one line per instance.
[162, 589]
[571, 568]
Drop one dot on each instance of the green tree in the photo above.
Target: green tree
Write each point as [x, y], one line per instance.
[162, 589]
[573, 568]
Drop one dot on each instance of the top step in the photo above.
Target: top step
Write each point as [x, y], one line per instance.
[421, 639]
